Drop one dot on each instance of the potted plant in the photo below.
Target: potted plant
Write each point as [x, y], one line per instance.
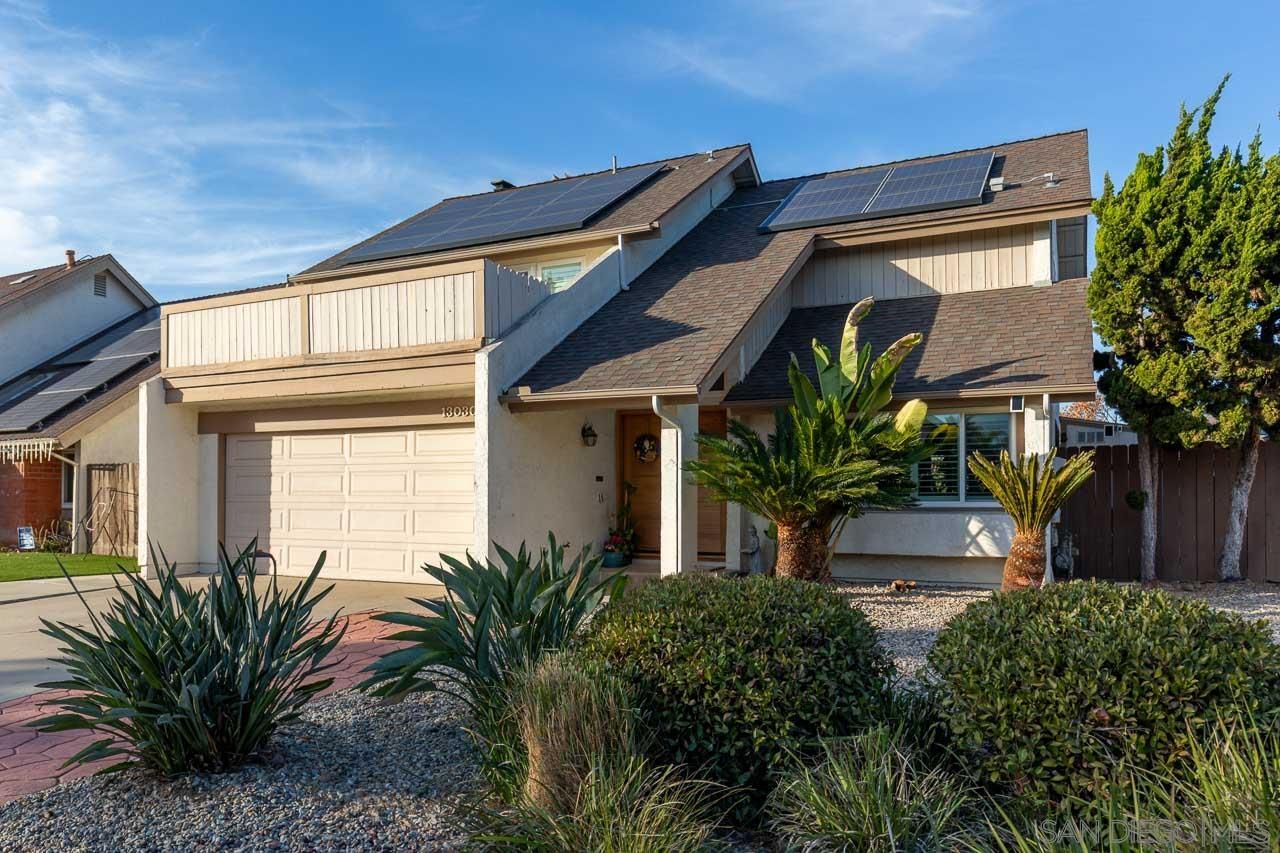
[621, 543]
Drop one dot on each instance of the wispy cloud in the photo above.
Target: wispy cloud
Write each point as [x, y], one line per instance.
[155, 152]
[775, 49]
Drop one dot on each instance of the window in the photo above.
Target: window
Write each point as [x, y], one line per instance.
[100, 284]
[68, 483]
[944, 477]
[558, 274]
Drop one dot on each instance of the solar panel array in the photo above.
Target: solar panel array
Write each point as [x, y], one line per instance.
[563, 205]
[84, 371]
[892, 191]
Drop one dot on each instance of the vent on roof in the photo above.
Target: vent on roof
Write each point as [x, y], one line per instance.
[24, 278]
[501, 184]
[100, 284]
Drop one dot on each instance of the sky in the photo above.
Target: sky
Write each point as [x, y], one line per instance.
[213, 146]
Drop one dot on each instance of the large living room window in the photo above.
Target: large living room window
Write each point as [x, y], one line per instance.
[944, 477]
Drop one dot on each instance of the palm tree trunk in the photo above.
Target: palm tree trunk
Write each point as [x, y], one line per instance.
[1024, 567]
[802, 552]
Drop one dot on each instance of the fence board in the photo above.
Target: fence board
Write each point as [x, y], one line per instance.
[1194, 504]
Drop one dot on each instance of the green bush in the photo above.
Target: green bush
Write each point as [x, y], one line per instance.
[869, 792]
[1062, 692]
[192, 679]
[732, 677]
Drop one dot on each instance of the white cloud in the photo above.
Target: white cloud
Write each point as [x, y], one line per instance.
[775, 49]
[155, 152]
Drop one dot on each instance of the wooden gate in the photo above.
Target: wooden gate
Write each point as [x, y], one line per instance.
[112, 509]
[1194, 499]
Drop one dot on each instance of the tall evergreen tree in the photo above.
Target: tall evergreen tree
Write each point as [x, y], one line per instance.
[1185, 295]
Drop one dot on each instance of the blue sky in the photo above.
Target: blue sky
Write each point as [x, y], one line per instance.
[214, 146]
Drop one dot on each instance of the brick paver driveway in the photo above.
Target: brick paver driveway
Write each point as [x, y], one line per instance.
[31, 761]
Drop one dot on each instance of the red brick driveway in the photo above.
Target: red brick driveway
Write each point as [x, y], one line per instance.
[31, 761]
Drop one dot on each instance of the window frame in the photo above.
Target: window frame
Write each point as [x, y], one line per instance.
[962, 456]
[68, 494]
[535, 268]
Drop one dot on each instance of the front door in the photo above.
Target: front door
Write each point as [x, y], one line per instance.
[639, 453]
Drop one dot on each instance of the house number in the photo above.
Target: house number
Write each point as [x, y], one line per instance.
[459, 411]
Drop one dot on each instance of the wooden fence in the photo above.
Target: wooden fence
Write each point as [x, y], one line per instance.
[1195, 496]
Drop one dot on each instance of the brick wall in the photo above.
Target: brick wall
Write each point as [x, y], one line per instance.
[30, 494]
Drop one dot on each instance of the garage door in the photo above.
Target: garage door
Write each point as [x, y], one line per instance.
[380, 502]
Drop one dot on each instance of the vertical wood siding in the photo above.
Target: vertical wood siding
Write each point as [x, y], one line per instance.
[252, 330]
[387, 316]
[508, 297]
[948, 263]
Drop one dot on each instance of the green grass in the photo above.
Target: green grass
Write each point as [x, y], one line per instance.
[30, 566]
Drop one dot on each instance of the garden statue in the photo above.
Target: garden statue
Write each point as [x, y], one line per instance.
[755, 560]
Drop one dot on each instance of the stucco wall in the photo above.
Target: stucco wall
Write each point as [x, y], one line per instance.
[177, 482]
[54, 318]
[548, 480]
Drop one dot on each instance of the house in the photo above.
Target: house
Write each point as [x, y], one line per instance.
[499, 365]
[1086, 432]
[76, 341]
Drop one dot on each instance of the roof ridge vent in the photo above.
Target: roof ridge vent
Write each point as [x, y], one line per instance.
[500, 184]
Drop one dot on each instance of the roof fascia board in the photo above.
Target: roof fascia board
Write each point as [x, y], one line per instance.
[1061, 393]
[126, 278]
[972, 222]
[525, 400]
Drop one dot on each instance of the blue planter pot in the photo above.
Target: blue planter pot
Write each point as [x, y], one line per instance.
[615, 560]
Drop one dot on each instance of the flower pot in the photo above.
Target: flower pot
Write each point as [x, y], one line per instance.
[615, 560]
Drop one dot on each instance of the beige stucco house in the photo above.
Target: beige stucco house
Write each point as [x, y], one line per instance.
[498, 365]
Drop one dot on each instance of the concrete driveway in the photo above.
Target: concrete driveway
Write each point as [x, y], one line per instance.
[25, 652]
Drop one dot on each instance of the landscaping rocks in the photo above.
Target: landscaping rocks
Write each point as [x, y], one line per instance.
[353, 773]
[909, 620]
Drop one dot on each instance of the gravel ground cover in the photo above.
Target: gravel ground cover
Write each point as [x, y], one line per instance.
[354, 774]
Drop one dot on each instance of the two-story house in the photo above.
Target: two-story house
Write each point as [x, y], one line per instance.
[499, 365]
[76, 341]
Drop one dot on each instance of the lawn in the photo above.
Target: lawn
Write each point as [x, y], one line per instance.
[30, 566]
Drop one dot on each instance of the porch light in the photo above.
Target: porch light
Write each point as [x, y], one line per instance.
[589, 434]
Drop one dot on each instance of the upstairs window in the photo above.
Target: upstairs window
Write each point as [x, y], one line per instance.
[558, 274]
[100, 284]
[944, 478]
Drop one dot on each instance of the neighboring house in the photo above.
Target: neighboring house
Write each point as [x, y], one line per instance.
[76, 341]
[498, 365]
[1085, 432]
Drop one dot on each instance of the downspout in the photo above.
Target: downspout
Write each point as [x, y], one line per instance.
[656, 402]
[1048, 448]
[622, 267]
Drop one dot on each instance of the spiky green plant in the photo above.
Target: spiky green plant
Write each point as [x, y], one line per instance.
[833, 454]
[184, 679]
[1031, 490]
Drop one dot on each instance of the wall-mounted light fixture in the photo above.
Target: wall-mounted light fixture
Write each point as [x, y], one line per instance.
[589, 434]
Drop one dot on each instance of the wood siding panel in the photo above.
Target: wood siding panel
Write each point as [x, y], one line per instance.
[253, 330]
[389, 316]
[948, 263]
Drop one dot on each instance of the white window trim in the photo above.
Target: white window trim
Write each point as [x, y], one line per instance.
[68, 497]
[534, 268]
[989, 503]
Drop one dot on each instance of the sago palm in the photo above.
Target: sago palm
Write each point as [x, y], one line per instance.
[833, 454]
[1031, 490]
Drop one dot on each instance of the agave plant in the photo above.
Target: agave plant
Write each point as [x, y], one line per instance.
[833, 454]
[192, 679]
[1031, 490]
[494, 620]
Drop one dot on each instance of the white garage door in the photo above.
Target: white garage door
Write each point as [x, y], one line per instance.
[380, 502]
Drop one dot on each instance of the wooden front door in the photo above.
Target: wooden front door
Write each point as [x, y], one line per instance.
[646, 476]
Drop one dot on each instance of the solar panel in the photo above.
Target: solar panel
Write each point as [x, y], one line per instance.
[562, 205]
[85, 370]
[936, 185]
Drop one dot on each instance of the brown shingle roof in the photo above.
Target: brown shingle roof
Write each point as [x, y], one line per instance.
[648, 204]
[19, 284]
[986, 340]
[682, 313]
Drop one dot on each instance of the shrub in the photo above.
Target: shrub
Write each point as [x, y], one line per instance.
[192, 679]
[1058, 693]
[568, 718]
[734, 676]
[869, 792]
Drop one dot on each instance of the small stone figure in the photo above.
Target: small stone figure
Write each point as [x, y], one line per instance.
[755, 560]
